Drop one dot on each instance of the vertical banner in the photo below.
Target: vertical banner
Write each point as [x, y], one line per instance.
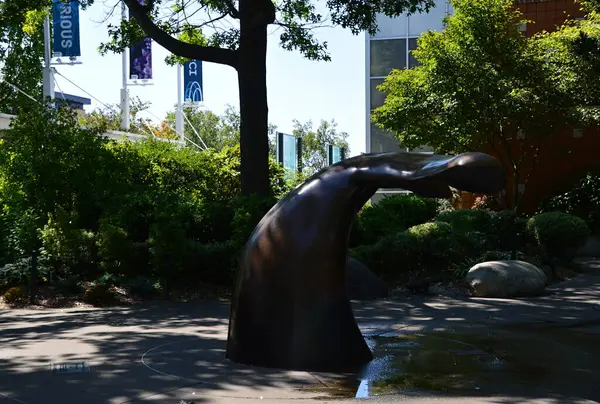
[335, 154]
[140, 57]
[192, 82]
[65, 17]
[286, 151]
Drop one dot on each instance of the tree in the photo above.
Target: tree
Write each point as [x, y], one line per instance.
[109, 117]
[315, 142]
[481, 85]
[21, 52]
[242, 44]
[572, 53]
[216, 132]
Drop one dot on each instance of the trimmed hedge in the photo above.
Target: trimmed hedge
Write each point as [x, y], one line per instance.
[391, 215]
[558, 233]
[434, 247]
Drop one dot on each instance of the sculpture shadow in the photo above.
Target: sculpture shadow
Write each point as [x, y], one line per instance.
[290, 308]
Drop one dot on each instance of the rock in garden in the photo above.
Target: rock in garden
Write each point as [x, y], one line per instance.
[506, 279]
[362, 284]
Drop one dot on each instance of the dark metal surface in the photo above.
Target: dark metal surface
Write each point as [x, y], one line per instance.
[290, 308]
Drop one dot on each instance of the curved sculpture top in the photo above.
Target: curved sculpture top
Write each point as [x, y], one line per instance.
[290, 308]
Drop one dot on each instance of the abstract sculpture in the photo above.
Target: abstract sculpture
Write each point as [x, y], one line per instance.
[290, 308]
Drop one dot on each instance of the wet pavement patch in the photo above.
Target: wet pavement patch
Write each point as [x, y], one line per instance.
[520, 360]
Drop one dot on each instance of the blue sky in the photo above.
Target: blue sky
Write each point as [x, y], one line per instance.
[297, 88]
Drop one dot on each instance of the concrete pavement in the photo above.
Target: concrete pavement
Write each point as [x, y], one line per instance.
[166, 353]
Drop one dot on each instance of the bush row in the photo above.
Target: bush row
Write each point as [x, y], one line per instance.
[454, 241]
[76, 205]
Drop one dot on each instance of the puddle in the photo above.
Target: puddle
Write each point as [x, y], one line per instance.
[524, 361]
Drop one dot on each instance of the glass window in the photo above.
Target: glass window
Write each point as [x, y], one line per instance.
[382, 141]
[432, 20]
[377, 97]
[390, 27]
[412, 45]
[386, 55]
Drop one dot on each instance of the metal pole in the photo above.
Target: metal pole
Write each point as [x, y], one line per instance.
[124, 91]
[48, 77]
[179, 113]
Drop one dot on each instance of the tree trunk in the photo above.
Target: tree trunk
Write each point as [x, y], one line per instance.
[33, 271]
[252, 79]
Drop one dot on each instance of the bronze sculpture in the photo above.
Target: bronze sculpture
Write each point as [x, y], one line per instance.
[290, 308]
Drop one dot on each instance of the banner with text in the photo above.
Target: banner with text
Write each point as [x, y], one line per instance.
[65, 17]
[192, 82]
[140, 57]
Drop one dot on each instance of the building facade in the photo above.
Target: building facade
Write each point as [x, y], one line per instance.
[387, 50]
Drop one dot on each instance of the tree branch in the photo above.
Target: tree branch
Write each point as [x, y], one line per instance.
[233, 12]
[206, 53]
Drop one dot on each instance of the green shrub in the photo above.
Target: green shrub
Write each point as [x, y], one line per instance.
[19, 272]
[582, 200]
[391, 215]
[142, 286]
[70, 249]
[210, 263]
[509, 230]
[99, 295]
[249, 210]
[558, 233]
[16, 295]
[468, 220]
[429, 246]
[71, 285]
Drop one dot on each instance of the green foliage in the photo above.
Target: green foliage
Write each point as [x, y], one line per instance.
[509, 230]
[21, 52]
[16, 295]
[582, 199]
[142, 286]
[249, 210]
[390, 216]
[217, 132]
[560, 234]
[462, 268]
[426, 247]
[99, 295]
[315, 142]
[468, 220]
[296, 20]
[572, 61]
[109, 117]
[89, 207]
[482, 85]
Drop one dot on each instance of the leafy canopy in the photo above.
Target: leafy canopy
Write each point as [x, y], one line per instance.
[480, 81]
[216, 23]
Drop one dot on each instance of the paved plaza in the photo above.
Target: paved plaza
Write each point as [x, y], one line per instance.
[174, 353]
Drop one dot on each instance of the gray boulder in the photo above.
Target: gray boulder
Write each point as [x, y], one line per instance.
[362, 284]
[506, 279]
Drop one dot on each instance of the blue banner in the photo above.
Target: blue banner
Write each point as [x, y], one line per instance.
[140, 57]
[192, 81]
[65, 17]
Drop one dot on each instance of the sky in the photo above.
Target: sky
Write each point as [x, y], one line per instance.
[297, 88]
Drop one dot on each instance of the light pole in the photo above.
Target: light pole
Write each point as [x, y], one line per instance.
[124, 91]
[179, 113]
[48, 77]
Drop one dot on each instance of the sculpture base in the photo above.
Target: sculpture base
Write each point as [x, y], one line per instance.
[320, 336]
